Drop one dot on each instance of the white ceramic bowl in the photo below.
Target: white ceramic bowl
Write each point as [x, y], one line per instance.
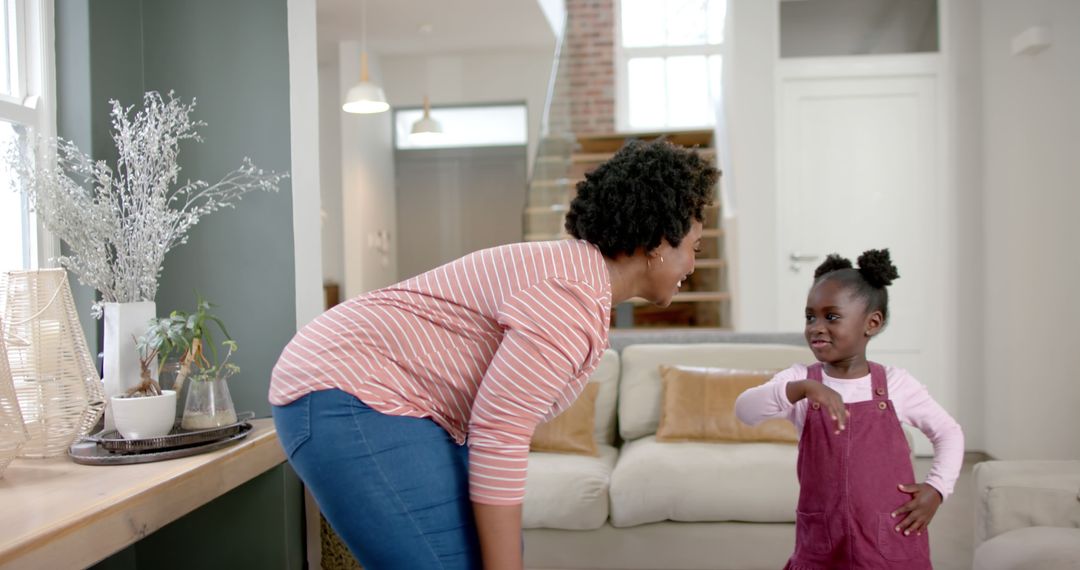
[140, 418]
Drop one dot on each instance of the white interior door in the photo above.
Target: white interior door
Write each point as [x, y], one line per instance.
[859, 168]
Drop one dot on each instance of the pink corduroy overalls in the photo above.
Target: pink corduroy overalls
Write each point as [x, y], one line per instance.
[848, 488]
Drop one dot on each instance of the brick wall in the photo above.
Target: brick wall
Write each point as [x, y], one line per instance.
[589, 66]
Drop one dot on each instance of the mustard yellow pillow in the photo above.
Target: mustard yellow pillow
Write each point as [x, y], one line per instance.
[572, 430]
[698, 404]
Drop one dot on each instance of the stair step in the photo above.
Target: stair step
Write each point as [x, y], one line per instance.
[600, 157]
[709, 263]
[614, 141]
[690, 297]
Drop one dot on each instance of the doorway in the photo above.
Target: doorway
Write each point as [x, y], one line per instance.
[451, 202]
[859, 168]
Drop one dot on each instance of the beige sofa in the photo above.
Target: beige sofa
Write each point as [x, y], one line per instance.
[648, 505]
[1027, 515]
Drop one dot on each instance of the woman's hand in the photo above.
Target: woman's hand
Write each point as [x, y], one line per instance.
[924, 503]
[818, 393]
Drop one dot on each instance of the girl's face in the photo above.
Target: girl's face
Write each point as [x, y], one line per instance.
[664, 278]
[837, 325]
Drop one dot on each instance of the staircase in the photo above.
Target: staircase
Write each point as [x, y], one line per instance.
[562, 161]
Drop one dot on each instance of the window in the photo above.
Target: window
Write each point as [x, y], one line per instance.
[668, 63]
[484, 125]
[26, 109]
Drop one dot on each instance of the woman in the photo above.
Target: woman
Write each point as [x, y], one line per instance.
[408, 411]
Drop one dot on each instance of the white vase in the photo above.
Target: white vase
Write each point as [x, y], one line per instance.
[124, 322]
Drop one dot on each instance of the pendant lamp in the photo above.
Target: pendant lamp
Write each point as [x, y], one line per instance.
[366, 96]
[426, 128]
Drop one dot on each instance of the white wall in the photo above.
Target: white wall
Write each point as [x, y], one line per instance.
[473, 77]
[330, 170]
[555, 13]
[960, 44]
[304, 145]
[750, 180]
[367, 174]
[1031, 125]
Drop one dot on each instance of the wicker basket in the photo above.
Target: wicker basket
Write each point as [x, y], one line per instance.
[12, 431]
[57, 386]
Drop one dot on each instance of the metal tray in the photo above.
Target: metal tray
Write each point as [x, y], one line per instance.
[88, 452]
[179, 437]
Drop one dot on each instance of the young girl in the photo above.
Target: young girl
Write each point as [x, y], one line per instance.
[859, 505]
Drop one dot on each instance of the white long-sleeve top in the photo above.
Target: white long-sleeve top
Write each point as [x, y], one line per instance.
[910, 399]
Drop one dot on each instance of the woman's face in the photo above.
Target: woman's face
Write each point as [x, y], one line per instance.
[664, 278]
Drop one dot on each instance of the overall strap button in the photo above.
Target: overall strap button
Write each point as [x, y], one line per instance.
[882, 405]
[815, 405]
[881, 391]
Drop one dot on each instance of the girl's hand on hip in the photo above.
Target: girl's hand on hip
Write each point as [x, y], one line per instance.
[924, 503]
[820, 395]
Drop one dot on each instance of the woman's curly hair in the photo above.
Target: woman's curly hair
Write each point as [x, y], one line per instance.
[647, 192]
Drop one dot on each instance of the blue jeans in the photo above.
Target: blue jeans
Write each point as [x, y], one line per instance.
[395, 489]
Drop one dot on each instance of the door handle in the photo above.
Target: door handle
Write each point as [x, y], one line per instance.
[797, 258]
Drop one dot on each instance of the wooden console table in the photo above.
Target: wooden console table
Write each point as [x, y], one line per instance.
[55, 513]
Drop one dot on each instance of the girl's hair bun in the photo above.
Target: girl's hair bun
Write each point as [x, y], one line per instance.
[832, 263]
[877, 268]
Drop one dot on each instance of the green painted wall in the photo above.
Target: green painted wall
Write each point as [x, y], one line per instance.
[233, 58]
[99, 57]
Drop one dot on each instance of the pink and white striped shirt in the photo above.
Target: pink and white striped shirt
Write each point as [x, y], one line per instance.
[488, 346]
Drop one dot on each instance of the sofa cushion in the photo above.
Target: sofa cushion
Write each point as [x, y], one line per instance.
[568, 491]
[1017, 494]
[1042, 547]
[697, 482]
[607, 376]
[639, 386]
[572, 431]
[698, 404]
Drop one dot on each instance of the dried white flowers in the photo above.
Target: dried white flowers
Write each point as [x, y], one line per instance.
[120, 224]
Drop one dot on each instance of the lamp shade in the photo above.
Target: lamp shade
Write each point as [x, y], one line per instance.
[426, 126]
[426, 129]
[365, 97]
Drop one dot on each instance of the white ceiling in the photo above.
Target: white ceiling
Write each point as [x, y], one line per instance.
[393, 26]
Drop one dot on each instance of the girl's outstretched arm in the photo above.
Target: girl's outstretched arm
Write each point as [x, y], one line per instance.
[769, 400]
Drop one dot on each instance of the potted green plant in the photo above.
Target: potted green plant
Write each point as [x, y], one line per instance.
[145, 410]
[183, 338]
[186, 347]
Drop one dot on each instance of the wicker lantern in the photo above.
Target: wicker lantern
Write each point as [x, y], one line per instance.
[57, 385]
[12, 431]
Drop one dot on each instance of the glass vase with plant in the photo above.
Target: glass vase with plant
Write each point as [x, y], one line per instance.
[209, 403]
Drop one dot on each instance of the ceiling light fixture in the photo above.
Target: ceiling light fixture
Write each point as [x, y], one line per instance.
[366, 96]
[426, 129]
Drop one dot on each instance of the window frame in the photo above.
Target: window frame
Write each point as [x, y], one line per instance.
[435, 109]
[33, 104]
[622, 58]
